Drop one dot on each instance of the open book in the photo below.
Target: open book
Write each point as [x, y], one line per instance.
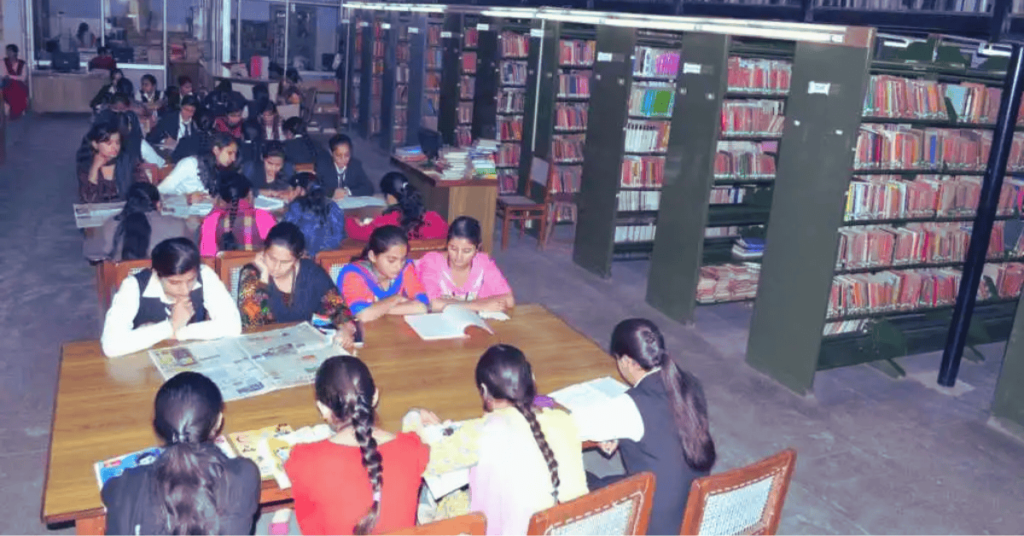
[276, 449]
[450, 324]
[589, 393]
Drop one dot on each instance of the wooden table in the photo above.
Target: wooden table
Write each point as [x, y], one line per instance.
[66, 92]
[471, 197]
[104, 406]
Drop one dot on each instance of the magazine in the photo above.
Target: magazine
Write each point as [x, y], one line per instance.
[277, 448]
[246, 444]
[95, 214]
[115, 467]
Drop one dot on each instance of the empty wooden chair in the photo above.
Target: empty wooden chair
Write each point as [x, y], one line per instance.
[229, 268]
[622, 508]
[473, 524]
[523, 208]
[747, 500]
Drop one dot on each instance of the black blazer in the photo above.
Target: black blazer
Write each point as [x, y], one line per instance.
[355, 178]
[303, 150]
[257, 175]
[168, 125]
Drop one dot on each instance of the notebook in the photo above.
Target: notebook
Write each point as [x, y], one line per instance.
[450, 324]
[585, 394]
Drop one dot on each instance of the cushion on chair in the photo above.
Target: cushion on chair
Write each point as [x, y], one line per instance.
[612, 520]
[738, 510]
[518, 201]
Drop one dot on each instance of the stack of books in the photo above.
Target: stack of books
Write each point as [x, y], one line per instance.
[412, 154]
[746, 249]
[456, 162]
[728, 282]
[481, 157]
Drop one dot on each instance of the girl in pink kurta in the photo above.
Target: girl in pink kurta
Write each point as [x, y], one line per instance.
[234, 225]
[462, 274]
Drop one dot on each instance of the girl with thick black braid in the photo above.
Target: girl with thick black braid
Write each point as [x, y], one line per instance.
[339, 484]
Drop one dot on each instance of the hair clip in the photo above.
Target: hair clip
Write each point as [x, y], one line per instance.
[376, 496]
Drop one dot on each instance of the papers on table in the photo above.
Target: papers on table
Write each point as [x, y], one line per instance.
[95, 214]
[589, 393]
[352, 201]
[177, 205]
[277, 449]
[270, 204]
[253, 364]
[450, 324]
[454, 449]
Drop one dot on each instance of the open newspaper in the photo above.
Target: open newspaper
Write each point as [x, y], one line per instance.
[253, 364]
[95, 214]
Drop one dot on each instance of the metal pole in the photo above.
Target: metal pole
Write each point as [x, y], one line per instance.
[167, 63]
[1002, 143]
[287, 30]
[238, 32]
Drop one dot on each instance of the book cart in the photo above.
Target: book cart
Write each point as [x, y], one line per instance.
[865, 249]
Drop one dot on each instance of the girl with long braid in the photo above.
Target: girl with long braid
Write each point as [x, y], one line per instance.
[234, 224]
[405, 209]
[363, 480]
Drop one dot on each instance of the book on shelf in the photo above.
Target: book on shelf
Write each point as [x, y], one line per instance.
[905, 98]
[465, 113]
[434, 36]
[901, 147]
[513, 73]
[433, 57]
[974, 103]
[727, 195]
[753, 117]
[576, 53]
[1007, 278]
[771, 77]
[651, 100]
[467, 87]
[469, 62]
[731, 231]
[508, 181]
[655, 62]
[510, 128]
[571, 116]
[625, 234]
[567, 179]
[471, 36]
[508, 155]
[568, 148]
[511, 100]
[647, 136]
[574, 85]
[463, 136]
[873, 197]
[514, 45]
[642, 171]
[745, 160]
[639, 200]
[452, 323]
[728, 282]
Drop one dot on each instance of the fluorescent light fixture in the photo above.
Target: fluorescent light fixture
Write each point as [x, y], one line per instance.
[1003, 51]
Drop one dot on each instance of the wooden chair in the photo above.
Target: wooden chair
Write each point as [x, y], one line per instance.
[229, 267]
[473, 524]
[332, 260]
[330, 109]
[110, 274]
[522, 208]
[305, 168]
[619, 509]
[747, 500]
[419, 248]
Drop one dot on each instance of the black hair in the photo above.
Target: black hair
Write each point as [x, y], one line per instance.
[292, 74]
[339, 139]
[382, 239]
[121, 98]
[182, 80]
[297, 127]
[273, 148]
[410, 202]
[151, 78]
[209, 170]
[275, 70]
[189, 100]
[260, 97]
[13, 48]
[234, 107]
[287, 235]
[315, 200]
[224, 85]
[175, 256]
[173, 96]
[188, 474]
[82, 28]
[100, 132]
[466, 228]
[115, 72]
[232, 188]
[505, 374]
[133, 232]
[269, 106]
[102, 49]
[640, 340]
[344, 384]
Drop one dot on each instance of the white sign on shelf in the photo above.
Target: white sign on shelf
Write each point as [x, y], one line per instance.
[414, 30]
[536, 32]
[820, 88]
[483, 27]
[386, 26]
[691, 68]
[604, 56]
[446, 35]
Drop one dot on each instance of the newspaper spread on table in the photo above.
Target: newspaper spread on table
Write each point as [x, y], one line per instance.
[90, 215]
[252, 364]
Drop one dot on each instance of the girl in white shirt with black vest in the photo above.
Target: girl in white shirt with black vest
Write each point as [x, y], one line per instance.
[185, 300]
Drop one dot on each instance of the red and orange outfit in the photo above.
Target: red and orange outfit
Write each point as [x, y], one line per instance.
[360, 287]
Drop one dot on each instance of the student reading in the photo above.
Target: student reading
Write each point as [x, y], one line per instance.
[405, 210]
[635, 422]
[382, 281]
[234, 224]
[462, 274]
[321, 219]
[281, 285]
[192, 488]
[342, 173]
[197, 174]
[178, 298]
[134, 232]
[363, 479]
[529, 459]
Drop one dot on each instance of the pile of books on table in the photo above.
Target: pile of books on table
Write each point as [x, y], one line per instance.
[454, 164]
[411, 155]
[481, 156]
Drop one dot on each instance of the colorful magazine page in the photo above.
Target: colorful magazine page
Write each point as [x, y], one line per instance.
[115, 467]
[246, 444]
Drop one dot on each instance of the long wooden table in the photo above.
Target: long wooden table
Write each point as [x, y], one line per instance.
[477, 198]
[104, 406]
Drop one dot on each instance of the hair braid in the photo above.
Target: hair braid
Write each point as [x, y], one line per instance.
[542, 442]
[228, 240]
[362, 425]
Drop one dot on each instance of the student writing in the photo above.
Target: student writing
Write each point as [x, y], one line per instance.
[364, 479]
[321, 219]
[462, 274]
[405, 210]
[178, 298]
[382, 281]
[234, 224]
[637, 423]
[192, 488]
[134, 232]
[281, 285]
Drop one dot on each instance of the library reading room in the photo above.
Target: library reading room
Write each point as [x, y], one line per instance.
[437, 246]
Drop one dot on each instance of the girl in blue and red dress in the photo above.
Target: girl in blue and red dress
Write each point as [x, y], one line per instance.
[382, 280]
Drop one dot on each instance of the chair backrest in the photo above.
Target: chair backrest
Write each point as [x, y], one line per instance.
[619, 509]
[473, 524]
[229, 267]
[540, 173]
[747, 500]
[333, 259]
[419, 248]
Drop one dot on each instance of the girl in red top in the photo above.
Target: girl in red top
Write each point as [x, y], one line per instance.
[405, 210]
[339, 484]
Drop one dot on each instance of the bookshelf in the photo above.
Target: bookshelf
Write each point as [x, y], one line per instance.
[501, 89]
[625, 153]
[358, 92]
[381, 78]
[451, 93]
[866, 263]
[433, 59]
[404, 27]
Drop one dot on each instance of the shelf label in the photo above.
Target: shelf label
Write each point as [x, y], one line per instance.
[364, 24]
[414, 30]
[446, 35]
[821, 88]
[691, 68]
[536, 32]
[604, 56]
[483, 27]
[386, 25]
[344, 21]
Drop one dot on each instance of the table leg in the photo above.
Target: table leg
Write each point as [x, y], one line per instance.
[91, 525]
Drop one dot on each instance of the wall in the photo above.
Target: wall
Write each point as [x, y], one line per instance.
[13, 27]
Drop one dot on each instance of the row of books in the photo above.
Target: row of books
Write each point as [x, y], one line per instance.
[514, 45]
[727, 195]
[576, 53]
[1008, 278]
[652, 100]
[917, 243]
[378, 49]
[433, 58]
[467, 87]
[636, 200]
[655, 62]
[481, 160]
[463, 136]
[402, 74]
[434, 35]
[470, 37]
[432, 102]
[570, 116]
[513, 73]
[508, 155]
[722, 232]
[574, 85]
[465, 113]
[744, 160]
[642, 171]
[889, 146]
[510, 128]
[747, 248]
[508, 180]
[568, 148]
[403, 54]
[378, 67]
[908, 98]
[469, 62]
[892, 291]
[647, 136]
[511, 100]
[398, 134]
[728, 282]
[567, 179]
[889, 197]
[771, 77]
[755, 118]
[625, 234]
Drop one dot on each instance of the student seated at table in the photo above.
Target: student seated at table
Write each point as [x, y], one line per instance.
[197, 174]
[341, 173]
[267, 121]
[660, 425]
[289, 91]
[530, 459]
[118, 84]
[299, 148]
[231, 122]
[270, 174]
[106, 168]
[130, 124]
[178, 298]
[134, 232]
[382, 281]
[176, 125]
[234, 224]
[148, 93]
[322, 221]
[405, 209]
[363, 480]
[192, 488]
[185, 86]
[462, 274]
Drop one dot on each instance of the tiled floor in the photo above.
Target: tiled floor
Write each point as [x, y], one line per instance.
[876, 455]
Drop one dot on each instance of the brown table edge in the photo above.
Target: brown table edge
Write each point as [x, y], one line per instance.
[56, 518]
[437, 183]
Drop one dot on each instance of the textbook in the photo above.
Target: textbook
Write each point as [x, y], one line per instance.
[450, 324]
[115, 467]
[246, 444]
[589, 393]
